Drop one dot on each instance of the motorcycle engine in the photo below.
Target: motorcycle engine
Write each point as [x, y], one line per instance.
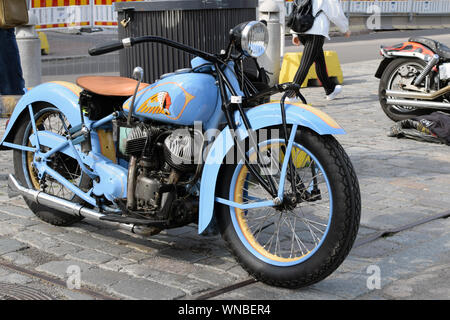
[156, 155]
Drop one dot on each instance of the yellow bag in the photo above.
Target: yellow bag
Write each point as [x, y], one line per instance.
[13, 13]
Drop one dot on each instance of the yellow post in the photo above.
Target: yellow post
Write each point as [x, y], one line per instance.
[291, 62]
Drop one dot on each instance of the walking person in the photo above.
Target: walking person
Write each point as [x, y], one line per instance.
[13, 13]
[11, 77]
[324, 11]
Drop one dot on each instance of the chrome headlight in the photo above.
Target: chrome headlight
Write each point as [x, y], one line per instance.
[251, 38]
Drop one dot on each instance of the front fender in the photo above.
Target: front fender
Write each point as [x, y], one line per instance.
[263, 116]
[63, 95]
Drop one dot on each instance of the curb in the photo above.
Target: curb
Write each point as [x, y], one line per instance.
[78, 57]
[49, 59]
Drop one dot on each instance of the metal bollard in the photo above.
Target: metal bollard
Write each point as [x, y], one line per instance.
[30, 52]
[271, 60]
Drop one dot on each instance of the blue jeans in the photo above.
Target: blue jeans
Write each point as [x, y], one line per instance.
[11, 77]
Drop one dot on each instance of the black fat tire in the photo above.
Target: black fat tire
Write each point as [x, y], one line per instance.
[44, 213]
[391, 112]
[343, 227]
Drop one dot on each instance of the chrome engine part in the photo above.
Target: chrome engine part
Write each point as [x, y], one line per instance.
[146, 193]
[138, 140]
[183, 149]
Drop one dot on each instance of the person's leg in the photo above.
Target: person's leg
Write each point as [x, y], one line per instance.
[11, 77]
[322, 73]
[310, 42]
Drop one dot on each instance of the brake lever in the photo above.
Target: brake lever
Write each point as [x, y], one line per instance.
[291, 90]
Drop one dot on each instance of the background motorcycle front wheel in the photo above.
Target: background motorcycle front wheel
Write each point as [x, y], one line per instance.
[47, 118]
[293, 247]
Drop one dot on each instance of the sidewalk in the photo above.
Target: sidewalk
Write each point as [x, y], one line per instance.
[402, 181]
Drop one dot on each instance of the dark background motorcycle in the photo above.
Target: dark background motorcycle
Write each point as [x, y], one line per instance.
[414, 78]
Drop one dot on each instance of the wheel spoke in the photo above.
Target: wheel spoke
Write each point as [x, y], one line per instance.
[281, 232]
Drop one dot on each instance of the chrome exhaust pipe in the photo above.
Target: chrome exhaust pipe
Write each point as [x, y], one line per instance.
[417, 95]
[419, 104]
[66, 206]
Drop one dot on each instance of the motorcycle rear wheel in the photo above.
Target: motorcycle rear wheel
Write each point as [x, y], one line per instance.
[297, 247]
[47, 118]
[398, 113]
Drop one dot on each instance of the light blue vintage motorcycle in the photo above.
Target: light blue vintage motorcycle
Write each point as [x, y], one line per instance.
[196, 146]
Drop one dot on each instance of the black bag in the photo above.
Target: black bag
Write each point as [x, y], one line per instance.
[434, 127]
[301, 19]
[438, 123]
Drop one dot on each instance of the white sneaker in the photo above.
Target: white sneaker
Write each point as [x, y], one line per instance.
[333, 95]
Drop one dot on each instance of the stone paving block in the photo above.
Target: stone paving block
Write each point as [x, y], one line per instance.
[217, 264]
[135, 256]
[36, 240]
[60, 269]
[217, 279]
[188, 284]
[170, 265]
[16, 278]
[425, 286]
[16, 211]
[73, 295]
[184, 254]
[238, 272]
[82, 227]
[345, 285]
[87, 241]
[63, 249]
[17, 258]
[47, 229]
[392, 217]
[181, 231]
[142, 289]
[102, 279]
[4, 272]
[115, 265]
[11, 245]
[90, 256]
[376, 249]
[21, 222]
[7, 229]
[260, 291]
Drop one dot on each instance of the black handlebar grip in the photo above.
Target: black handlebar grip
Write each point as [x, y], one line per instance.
[106, 48]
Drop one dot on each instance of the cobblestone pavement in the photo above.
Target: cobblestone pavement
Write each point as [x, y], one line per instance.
[402, 181]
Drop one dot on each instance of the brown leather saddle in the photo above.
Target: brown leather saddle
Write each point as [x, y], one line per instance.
[103, 95]
[110, 86]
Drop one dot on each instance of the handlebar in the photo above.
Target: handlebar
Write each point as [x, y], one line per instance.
[106, 48]
[129, 42]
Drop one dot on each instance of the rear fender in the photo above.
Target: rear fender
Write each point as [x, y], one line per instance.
[263, 116]
[407, 49]
[63, 95]
[383, 65]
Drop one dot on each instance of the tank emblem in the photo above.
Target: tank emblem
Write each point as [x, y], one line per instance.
[162, 101]
[159, 103]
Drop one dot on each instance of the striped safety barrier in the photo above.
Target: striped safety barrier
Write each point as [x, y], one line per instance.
[104, 14]
[53, 14]
[57, 14]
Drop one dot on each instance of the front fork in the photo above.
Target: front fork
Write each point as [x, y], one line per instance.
[268, 184]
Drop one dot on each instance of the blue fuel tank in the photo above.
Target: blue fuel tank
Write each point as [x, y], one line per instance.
[179, 98]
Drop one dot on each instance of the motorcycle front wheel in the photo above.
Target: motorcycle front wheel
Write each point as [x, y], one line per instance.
[293, 246]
